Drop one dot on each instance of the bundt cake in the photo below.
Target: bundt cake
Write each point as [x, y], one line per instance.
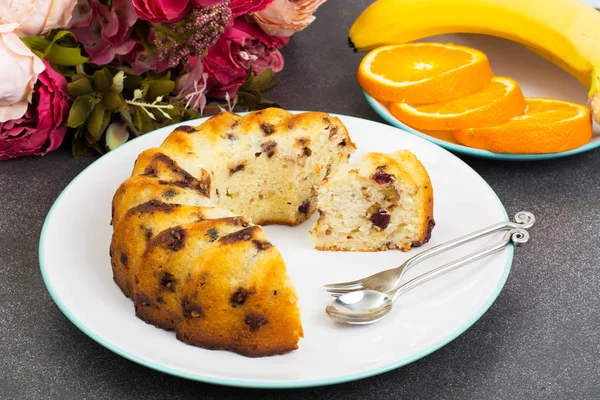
[186, 245]
[380, 202]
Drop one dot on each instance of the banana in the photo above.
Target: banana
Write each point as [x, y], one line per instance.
[566, 32]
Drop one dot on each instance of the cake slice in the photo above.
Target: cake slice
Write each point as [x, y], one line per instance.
[381, 202]
[220, 284]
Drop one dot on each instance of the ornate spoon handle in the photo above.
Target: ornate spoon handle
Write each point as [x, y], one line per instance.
[516, 236]
[523, 220]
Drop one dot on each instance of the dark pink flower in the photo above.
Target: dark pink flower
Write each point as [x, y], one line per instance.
[104, 32]
[241, 46]
[41, 129]
[161, 10]
[242, 7]
[141, 60]
[204, 3]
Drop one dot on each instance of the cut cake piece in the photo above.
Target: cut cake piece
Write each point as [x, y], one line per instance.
[380, 202]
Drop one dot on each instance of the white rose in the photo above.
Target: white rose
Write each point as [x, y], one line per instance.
[20, 69]
[36, 17]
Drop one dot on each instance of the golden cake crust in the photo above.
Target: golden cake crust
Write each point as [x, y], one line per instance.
[194, 267]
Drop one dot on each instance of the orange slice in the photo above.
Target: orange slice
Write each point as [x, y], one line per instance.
[499, 101]
[423, 73]
[548, 126]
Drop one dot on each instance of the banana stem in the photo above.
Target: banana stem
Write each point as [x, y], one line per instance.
[594, 96]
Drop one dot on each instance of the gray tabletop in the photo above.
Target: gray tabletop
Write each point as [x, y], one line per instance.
[540, 339]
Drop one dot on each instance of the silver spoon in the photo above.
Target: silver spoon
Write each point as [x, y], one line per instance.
[368, 306]
[388, 280]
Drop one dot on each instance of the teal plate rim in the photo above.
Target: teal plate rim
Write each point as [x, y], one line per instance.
[258, 384]
[457, 148]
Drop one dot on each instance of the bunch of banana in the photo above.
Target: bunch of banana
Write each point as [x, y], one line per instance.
[566, 32]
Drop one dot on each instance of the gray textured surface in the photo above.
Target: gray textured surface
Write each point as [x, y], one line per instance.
[541, 338]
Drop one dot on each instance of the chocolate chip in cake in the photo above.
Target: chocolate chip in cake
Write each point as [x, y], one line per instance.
[342, 143]
[304, 207]
[255, 320]
[333, 130]
[307, 152]
[142, 300]
[327, 122]
[160, 300]
[147, 232]
[169, 194]
[236, 168]
[239, 236]
[167, 282]
[150, 171]
[212, 234]
[123, 259]
[256, 155]
[380, 219]
[191, 310]
[269, 148]
[267, 128]
[262, 245]
[185, 128]
[274, 292]
[172, 238]
[239, 297]
[232, 137]
[302, 141]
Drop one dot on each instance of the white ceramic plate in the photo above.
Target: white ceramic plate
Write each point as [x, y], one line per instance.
[76, 268]
[536, 76]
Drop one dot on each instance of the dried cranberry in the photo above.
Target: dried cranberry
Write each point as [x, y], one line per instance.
[380, 219]
[382, 177]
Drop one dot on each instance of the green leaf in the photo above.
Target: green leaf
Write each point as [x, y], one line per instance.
[248, 100]
[256, 94]
[106, 121]
[36, 43]
[267, 104]
[94, 123]
[142, 121]
[157, 88]
[263, 82]
[101, 81]
[113, 100]
[69, 56]
[80, 111]
[80, 87]
[80, 148]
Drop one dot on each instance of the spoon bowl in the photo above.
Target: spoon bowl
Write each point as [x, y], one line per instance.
[368, 306]
[360, 307]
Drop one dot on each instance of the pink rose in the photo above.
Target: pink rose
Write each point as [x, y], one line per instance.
[243, 7]
[241, 46]
[104, 32]
[20, 69]
[36, 17]
[161, 10]
[41, 129]
[286, 17]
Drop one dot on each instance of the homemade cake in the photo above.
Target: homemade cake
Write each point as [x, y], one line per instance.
[185, 245]
[380, 202]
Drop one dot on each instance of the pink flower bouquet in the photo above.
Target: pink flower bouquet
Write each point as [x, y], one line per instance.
[99, 71]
